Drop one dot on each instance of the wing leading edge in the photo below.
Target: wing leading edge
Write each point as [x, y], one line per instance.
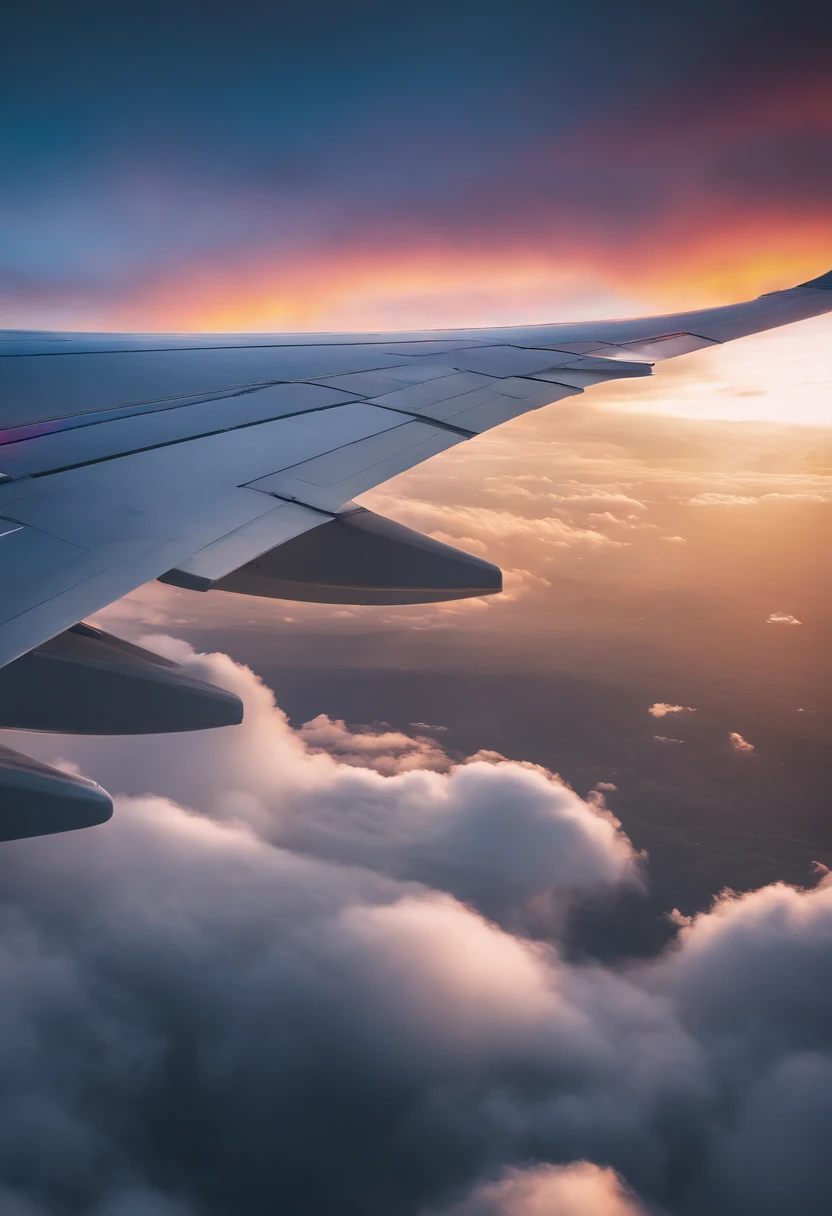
[203, 459]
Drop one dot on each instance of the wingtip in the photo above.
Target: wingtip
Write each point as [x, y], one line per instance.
[823, 281]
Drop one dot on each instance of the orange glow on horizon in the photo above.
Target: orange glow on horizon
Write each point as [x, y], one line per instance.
[434, 287]
[407, 280]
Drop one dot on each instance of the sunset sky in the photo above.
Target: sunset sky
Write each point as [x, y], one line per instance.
[368, 955]
[323, 166]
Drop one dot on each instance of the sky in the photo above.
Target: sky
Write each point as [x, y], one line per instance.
[323, 166]
[506, 907]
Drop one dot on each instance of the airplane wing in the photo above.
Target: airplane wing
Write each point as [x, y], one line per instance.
[231, 462]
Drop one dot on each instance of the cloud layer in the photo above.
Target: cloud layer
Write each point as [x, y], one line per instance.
[317, 990]
[510, 839]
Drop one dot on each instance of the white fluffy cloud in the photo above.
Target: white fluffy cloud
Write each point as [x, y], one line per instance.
[511, 839]
[661, 709]
[738, 743]
[315, 990]
[485, 524]
[386, 751]
[709, 499]
[781, 618]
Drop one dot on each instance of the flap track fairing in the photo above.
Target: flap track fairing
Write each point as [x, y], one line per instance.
[362, 558]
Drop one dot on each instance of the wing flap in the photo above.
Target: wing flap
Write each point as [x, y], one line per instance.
[417, 396]
[35, 565]
[666, 347]
[502, 360]
[328, 481]
[498, 408]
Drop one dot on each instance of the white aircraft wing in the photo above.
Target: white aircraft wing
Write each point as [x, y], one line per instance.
[231, 461]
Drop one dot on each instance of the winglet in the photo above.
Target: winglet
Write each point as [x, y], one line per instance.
[825, 280]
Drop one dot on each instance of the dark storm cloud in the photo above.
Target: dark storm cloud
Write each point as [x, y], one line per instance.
[198, 1021]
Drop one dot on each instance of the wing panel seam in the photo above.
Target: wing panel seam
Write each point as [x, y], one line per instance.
[434, 422]
[152, 447]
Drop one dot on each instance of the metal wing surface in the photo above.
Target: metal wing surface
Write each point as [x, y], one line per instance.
[231, 462]
[125, 458]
